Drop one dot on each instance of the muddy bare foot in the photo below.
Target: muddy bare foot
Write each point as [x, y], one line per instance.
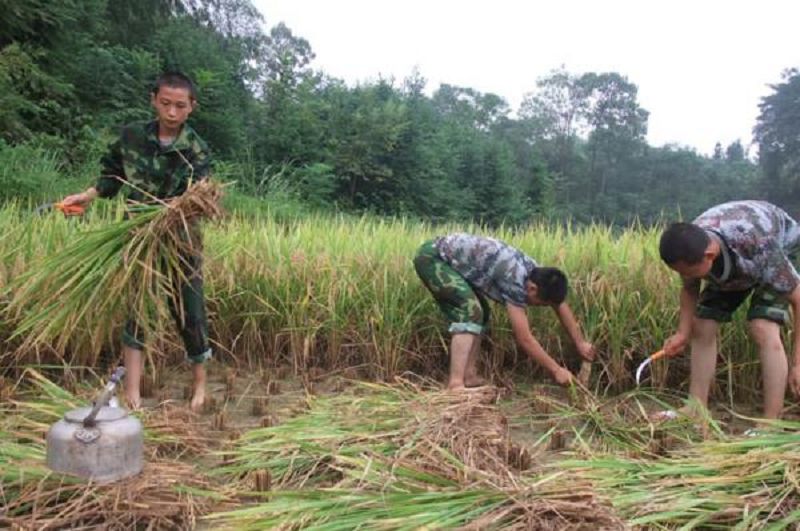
[198, 387]
[134, 401]
[456, 387]
[476, 381]
[198, 400]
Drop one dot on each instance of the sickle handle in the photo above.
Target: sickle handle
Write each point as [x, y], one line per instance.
[658, 355]
[70, 210]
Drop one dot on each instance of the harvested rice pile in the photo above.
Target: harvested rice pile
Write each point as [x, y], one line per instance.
[402, 457]
[749, 483]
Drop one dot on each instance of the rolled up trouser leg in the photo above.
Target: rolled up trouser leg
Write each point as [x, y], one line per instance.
[463, 306]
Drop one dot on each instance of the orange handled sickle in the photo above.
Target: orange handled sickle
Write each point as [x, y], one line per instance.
[653, 357]
[70, 210]
[67, 210]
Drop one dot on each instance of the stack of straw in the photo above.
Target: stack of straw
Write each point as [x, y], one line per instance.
[401, 457]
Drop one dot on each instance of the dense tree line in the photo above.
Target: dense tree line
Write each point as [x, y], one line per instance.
[72, 71]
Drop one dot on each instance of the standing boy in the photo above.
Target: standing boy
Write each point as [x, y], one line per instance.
[159, 159]
[462, 270]
[740, 249]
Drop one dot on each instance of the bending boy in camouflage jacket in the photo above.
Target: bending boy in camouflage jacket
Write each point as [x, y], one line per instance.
[739, 249]
[159, 159]
[461, 270]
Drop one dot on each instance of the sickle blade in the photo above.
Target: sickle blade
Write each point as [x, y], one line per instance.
[641, 368]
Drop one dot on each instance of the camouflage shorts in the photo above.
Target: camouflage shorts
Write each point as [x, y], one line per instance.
[719, 305]
[191, 320]
[464, 307]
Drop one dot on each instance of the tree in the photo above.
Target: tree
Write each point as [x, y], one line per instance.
[777, 133]
[617, 127]
[734, 152]
[718, 153]
[553, 117]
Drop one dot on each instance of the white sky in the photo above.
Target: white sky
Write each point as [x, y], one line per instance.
[701, 65]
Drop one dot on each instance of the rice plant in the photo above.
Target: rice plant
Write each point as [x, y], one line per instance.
[334, 292]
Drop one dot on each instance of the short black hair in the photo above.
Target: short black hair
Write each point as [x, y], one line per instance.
[551, 283]
[683, 242]
[175, 79]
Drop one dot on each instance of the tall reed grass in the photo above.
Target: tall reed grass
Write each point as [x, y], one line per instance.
[333, 292]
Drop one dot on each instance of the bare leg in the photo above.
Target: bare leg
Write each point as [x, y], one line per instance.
[471, 377]
[774, 366]
[704, 359]
[460, 347]
[198, 386]
[133, 376]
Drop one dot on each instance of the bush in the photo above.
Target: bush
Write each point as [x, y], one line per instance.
[28, 171]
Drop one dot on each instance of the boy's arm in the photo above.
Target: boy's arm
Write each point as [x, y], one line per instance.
[109, 182]
[570, 324]
[524, 338]
[689, 294]
[112, 172]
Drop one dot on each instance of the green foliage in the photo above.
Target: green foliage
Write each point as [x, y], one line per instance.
[31, 100]
[27, 171]
[777, 133]
[317, 183]
[72, 73]
[112, 84]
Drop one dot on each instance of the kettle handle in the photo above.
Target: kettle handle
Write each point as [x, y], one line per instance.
[104, 396]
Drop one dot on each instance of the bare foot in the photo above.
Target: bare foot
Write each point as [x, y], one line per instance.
[456, 388]
[198, 399]
[475, 381]
[134, 401]
[199, 387]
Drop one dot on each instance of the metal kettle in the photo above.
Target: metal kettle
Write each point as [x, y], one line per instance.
[100, 443]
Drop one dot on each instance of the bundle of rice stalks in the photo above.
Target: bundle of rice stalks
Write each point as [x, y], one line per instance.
[168, 494]
[401, 457]
[620, 423]
[750, 483]
[132, 265]
[343, 509]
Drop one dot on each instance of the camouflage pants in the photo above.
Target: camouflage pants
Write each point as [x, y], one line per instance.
[465, 308]
[719, 305]
[191, 321]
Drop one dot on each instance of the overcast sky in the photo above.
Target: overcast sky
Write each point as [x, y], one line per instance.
[701, 66]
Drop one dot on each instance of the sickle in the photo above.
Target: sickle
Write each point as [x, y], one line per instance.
[645, 363]
[67, 210]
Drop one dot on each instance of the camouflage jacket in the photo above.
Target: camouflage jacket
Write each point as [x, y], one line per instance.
[138, 158]
[760, 242]
[492, 267]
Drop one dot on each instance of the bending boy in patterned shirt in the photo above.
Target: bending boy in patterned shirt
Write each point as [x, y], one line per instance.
[159, 159]
[461, 270]
[740, 249]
